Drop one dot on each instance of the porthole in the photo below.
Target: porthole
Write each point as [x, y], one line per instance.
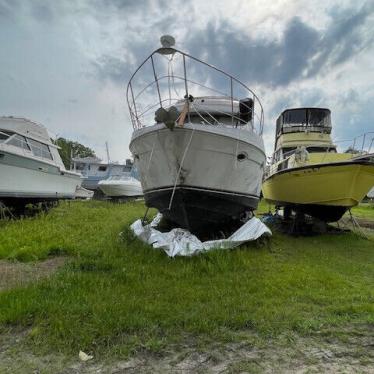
[242, 156]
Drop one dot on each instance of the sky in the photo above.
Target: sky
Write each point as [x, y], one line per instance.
[66, 64]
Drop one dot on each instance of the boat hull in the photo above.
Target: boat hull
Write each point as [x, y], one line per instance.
[30, 180]
[324, 191]
[121, 190]
[196, 209]
[192, 175]
[92, 183]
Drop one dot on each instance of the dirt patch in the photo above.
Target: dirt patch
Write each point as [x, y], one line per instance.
[18, 274]
[349, 351]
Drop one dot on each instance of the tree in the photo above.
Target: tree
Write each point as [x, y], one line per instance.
[69, 148]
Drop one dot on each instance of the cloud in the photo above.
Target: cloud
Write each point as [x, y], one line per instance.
[66, 63]
[302, 51]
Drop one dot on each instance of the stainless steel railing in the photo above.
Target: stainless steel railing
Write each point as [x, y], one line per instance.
[164, 79]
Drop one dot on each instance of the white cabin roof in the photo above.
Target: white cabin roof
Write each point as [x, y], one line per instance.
[88, 160]
[27, 128]
[97, 161]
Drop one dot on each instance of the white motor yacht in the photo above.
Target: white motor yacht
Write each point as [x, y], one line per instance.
[94, 170]
[118, 186]
[31, 168]
[197, 140]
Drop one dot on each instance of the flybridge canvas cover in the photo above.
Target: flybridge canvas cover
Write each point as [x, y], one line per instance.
[180, 242]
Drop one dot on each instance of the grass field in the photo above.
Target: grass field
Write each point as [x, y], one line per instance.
[115, 295]
[365, 210]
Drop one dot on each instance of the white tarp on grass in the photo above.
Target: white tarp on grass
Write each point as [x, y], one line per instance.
[180, 242]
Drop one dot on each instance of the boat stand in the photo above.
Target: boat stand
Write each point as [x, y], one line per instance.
[356, 226]
[5, 212]
[296, 222]
[145, 216]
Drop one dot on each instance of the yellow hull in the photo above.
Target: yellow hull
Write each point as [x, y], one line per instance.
[343, 185]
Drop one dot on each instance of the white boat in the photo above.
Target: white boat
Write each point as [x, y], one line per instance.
[198, 147]
[31, 168]
[121, 186]
[94, 170]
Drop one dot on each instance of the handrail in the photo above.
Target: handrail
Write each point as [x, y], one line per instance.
[286, 156]
[355, 139]
[132, 97]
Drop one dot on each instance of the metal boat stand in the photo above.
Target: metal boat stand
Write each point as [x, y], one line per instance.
[5, 212]
[296, 222]
[356, 226]
[145, 216]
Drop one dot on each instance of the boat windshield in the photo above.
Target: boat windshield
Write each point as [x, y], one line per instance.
[4, 135]
[125, 176]
[304, 119]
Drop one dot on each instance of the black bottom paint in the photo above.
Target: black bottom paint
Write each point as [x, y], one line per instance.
[325, 213]
[200, 210]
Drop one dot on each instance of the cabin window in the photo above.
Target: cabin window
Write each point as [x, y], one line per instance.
[321, 149]
[277, 155]
[318, 117]
[287, 151]
[19, 141]
[295, 116]
[79, 167]
[295, 120]
[4, 135]
[39, 149]
[102, 168]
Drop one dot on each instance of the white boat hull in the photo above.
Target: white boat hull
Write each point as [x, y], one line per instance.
[193, 174]
[35, 180]
[121, 189]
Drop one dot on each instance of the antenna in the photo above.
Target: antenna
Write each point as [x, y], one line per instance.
[107, 152]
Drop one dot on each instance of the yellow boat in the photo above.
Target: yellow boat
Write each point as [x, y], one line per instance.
[307, 174]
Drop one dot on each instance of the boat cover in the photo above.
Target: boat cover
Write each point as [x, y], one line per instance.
[180, 242]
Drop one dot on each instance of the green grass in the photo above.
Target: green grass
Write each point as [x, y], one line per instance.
[77, 228]
[117, 295]
[365, 210]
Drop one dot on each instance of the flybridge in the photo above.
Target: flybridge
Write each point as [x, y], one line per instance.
[304, 119]
[178, 88]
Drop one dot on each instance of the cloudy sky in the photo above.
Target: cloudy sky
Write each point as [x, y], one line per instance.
[66, 63]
